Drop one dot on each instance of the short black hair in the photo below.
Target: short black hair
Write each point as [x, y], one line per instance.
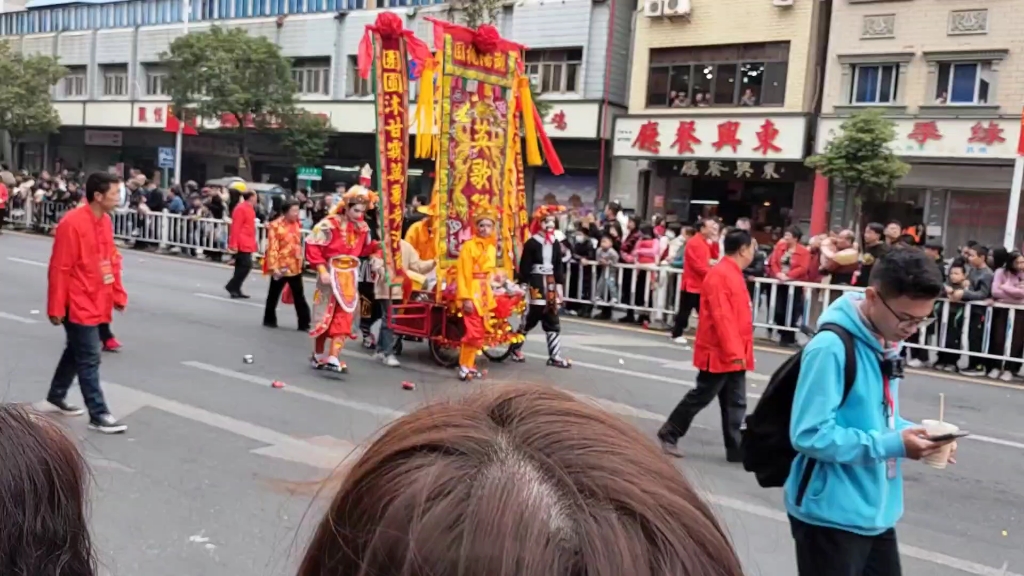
[935, 245]
[703, 223]
[736, 240]
[979, 249]
[875, 227]
[906, 272]
[957, 264]
[796, 232]
[896, 222]
[247, 194]
[288, 205]
[99, 183]
[422, 199]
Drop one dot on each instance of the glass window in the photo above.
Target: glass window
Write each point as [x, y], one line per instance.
[355, 85]
[874, 84]
[312, 77]
[156, 82]
[241, 8]
[703, 80]
[120, 15]
[963, 83]
[725, 84]
[719, 75]
[115, 81]
[74, 83]
[555, 71]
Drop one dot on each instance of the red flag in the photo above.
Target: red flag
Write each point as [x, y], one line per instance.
[171, 124]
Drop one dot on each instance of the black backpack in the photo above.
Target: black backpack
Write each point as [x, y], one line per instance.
[767, 450]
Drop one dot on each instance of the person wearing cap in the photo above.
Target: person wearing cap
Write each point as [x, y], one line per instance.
[478, 259]
[242, 239]
[421, 233]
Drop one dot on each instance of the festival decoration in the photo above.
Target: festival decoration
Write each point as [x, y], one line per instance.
[484, 107]
[385, 51]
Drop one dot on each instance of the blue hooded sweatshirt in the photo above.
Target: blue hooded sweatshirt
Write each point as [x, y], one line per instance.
[850, 488]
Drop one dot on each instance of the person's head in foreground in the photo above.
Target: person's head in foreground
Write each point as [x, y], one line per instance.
[43, 529]
[901, 293]
[516, 481]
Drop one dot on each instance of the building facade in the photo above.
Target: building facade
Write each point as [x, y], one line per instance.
[722, 94]
[950, 74]
[113, 103]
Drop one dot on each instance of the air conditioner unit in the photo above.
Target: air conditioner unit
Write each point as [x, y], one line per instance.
[782, 2]
[653, 8]
[677, 8]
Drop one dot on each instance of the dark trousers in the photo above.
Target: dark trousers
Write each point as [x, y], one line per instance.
[105, 332]
[976, 340]
[831, 552]
[954, 326]
[243, 265]
[783, 296]
[387, 341]
[690, 302]
[369, 312]
[298, 295]
[731, 390]
[81, 358]
[997, 341]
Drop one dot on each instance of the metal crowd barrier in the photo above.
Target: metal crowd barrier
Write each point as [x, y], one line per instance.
[964, 334]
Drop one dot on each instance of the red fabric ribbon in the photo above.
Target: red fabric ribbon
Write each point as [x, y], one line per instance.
[485, 38]
[389, 25]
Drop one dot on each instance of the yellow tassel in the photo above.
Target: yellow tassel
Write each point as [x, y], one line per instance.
[529, 124]
[425, 114]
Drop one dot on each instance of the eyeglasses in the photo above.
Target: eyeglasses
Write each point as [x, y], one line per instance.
[908, 323]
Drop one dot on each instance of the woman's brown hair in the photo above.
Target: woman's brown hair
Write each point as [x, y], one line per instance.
[516, 481]
[43, 528]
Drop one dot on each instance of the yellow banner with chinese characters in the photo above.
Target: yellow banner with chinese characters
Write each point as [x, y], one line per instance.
[391, 88]
[475, 126]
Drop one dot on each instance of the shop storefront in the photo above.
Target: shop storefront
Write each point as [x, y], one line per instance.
[727, 166]
[959, 182]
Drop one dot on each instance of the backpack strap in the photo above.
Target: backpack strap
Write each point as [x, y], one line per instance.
[849, 377]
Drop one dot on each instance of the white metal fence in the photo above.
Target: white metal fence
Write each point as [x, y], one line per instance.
[969, 335]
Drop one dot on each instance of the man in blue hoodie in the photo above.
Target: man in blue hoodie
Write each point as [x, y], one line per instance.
[843, 515]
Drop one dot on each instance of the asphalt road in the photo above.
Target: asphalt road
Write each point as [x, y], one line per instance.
[218, 471]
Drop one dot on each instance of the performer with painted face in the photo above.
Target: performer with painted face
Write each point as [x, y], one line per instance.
[474, 271]
[334, 248]
[542, 272]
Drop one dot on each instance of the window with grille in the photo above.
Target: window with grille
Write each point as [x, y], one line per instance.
[874, 83]
[312, 77]
[75, 83]
[355, 85]
[961, 83]
[555, 71]
[156, 82]
[115, 81]
[720, 75]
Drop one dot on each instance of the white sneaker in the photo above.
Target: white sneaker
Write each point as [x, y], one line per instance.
[994, 373]
[680, 340]
[914, 363]
[391, 361]
[1006, 376]
[378, 356]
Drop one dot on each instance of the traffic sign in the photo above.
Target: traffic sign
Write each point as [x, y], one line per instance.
[165, 157]
[311, 173]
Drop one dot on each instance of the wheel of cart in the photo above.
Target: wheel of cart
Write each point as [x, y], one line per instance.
[499, 354]
[445, 335]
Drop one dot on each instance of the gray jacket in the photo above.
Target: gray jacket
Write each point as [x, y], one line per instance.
[981, 284]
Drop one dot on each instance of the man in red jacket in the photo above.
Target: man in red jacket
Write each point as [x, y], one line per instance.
[697, 258]
[84, 287]
[723, 350]
[242, 242]
[4, 198]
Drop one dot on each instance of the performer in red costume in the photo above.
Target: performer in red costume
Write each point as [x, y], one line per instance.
[334, 248]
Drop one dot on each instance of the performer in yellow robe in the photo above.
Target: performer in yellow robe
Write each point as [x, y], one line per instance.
[474, 271]
[421, 233]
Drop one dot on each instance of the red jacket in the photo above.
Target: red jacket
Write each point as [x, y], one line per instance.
[696, 263]
[725, 330]
[242, 236]
[3, 196]
[85, 269]
[799, 262]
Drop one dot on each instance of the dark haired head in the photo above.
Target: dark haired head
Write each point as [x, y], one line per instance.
[248, 194]
[646, 230]
[1011, 258]
[99, 183]
[906, 272]
[736, 240]
[875, 227]
[795, 232]
[980, 250]
[971, 243]
[517, 480]
[935, 245]
[896, 222]
[43, 528]
[422, 199]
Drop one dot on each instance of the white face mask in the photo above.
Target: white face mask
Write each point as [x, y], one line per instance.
[548, 224]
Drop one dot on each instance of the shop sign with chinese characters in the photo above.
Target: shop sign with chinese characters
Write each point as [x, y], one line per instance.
[994, 138]
[573, 120]
[774, 138]
[737, 170]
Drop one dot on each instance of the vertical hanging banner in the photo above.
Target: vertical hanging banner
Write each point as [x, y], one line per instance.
[384, 52]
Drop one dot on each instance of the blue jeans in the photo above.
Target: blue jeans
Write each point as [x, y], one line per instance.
[81, 358]
[386, 339]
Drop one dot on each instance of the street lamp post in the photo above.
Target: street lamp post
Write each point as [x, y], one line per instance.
[179, 114]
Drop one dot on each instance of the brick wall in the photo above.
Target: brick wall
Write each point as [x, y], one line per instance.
[731, 22]
[918, 27]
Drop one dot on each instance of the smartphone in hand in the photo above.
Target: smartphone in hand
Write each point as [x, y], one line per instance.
[948, 437]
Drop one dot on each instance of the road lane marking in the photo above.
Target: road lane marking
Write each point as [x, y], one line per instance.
[228, 300]
[277, 444]
[14, 318]
[374, 409]
[29, 262]
[663, 362]
[329, 455]
[910, 551]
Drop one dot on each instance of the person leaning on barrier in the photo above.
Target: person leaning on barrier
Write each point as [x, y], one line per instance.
[980, 277]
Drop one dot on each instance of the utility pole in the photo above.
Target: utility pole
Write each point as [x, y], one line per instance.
[180, 114]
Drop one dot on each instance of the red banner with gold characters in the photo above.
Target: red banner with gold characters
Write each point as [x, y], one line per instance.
[391, 88]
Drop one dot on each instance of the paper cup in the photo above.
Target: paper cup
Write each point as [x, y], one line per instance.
[935, 428]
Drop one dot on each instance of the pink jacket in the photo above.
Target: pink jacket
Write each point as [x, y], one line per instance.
[1007, 287]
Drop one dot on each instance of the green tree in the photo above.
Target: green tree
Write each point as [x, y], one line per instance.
[227, 74]
[304, 136]
[475, 13]
[25, 83]
[861, 158]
